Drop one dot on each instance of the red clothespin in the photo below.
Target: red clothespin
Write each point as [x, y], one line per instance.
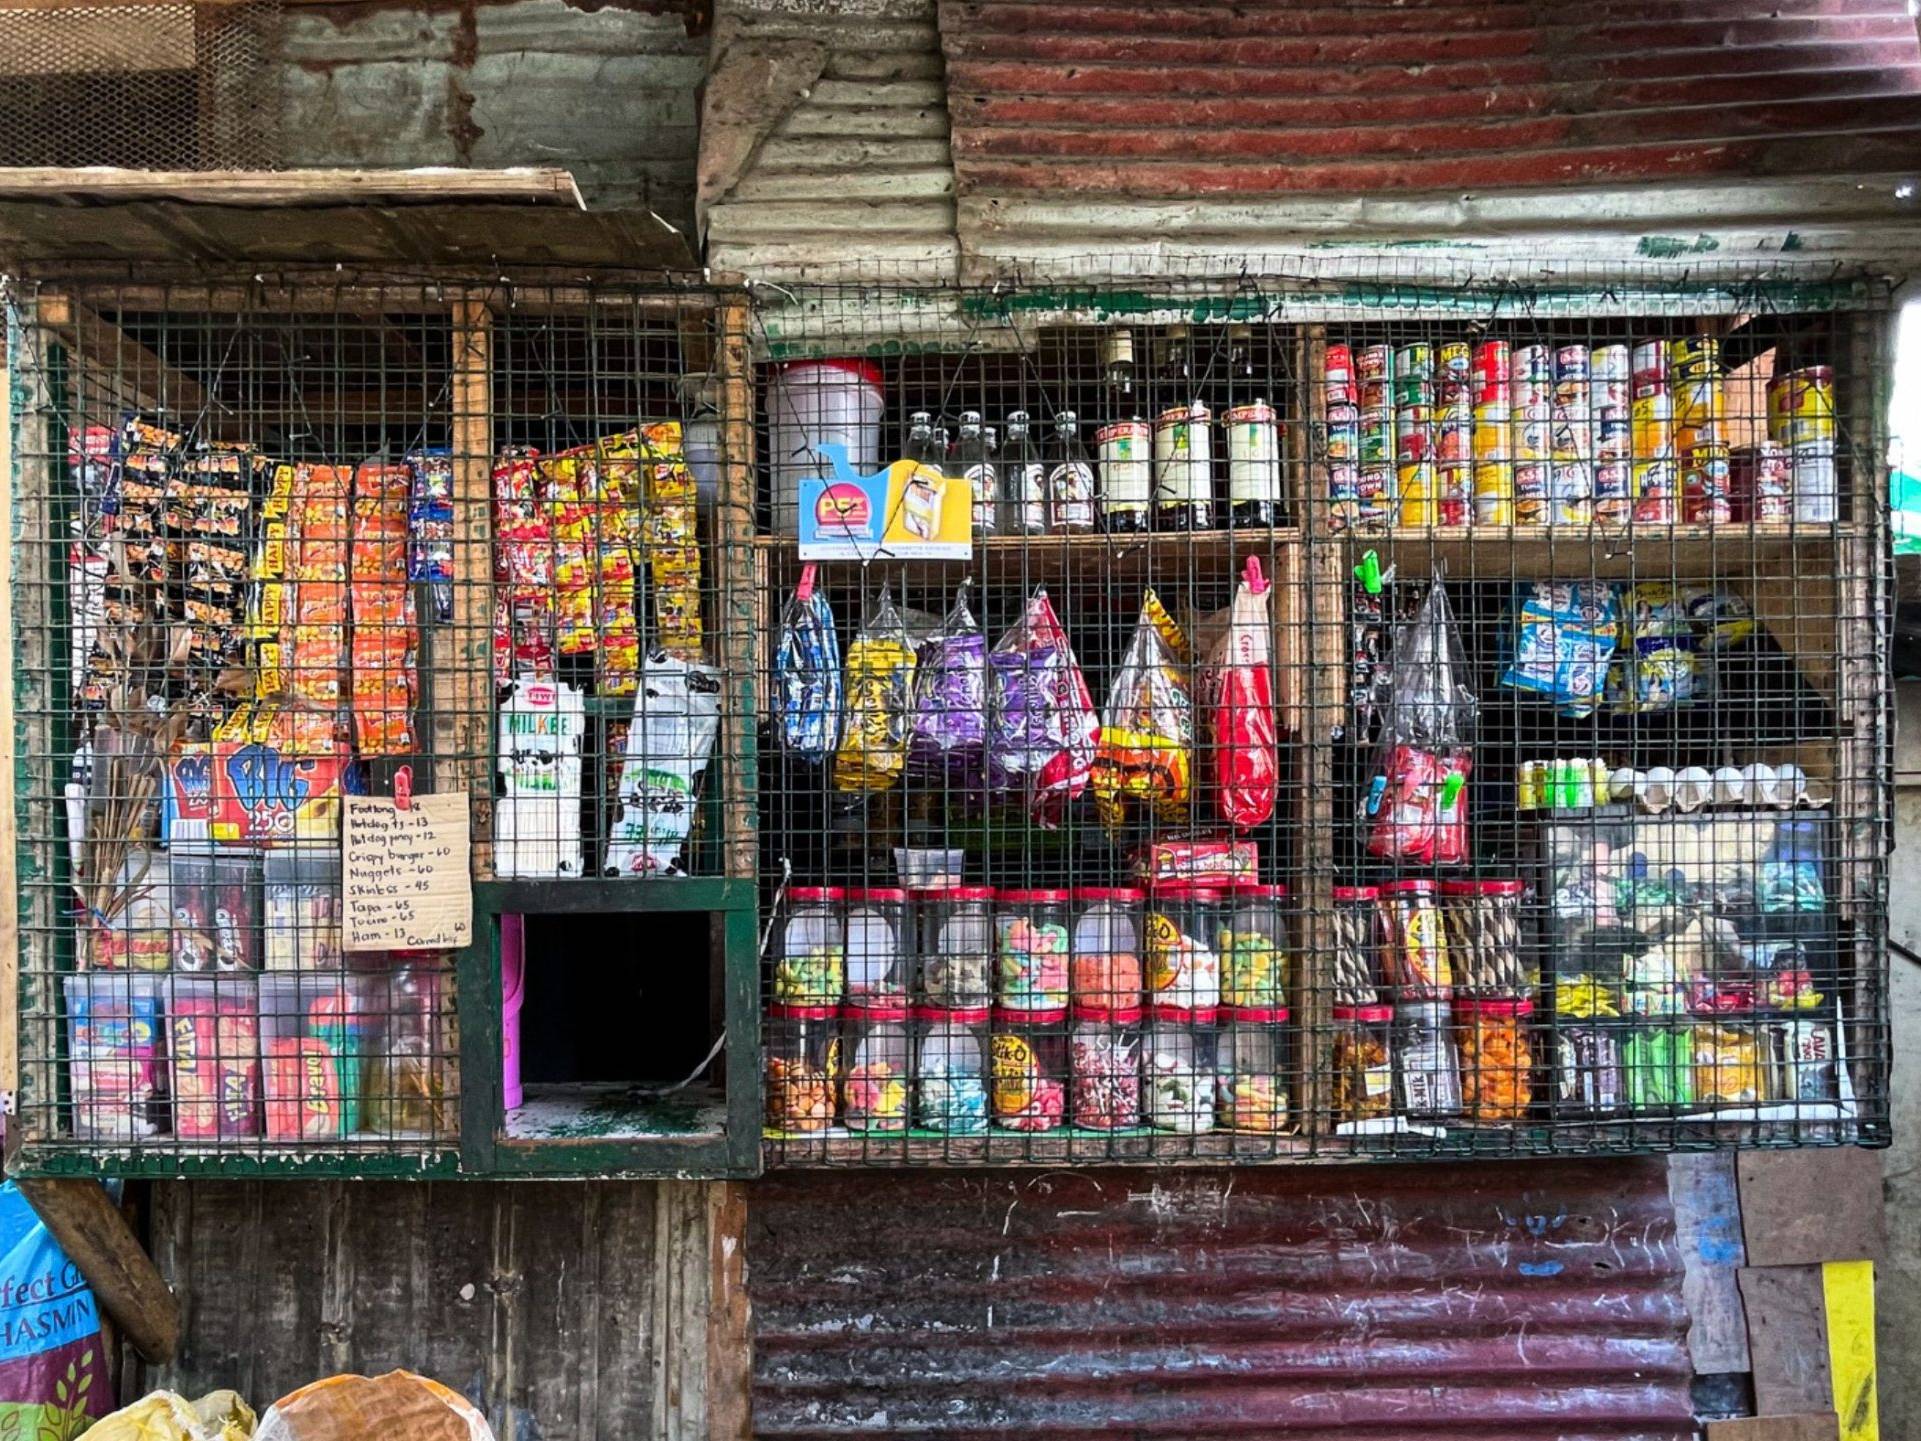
[404, 788]
[804, 592]
[1252, 576]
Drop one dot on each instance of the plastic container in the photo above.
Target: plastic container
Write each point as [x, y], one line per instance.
[299, 1080]
[1426, 1065]
[800, 1047]
[300, 888]
[1105, 952]
[1183, 929]
[1589, 1079]
[1496, 1041]
[213, 1040]
[956, 945]
[1414, 961]
[876, 1049]
[513, 996]
[811, 403]
[216, 911]
[1104, 1061]
[1027, 1083]
[1255, 969]
[950, 1069]
[407, 1089]
[1363, 1060]
[812, 969]
[1251, 1072]
[115, 1055]
[1031, 945]
[877, 946]
[139, 935]
[1357, 945]
[1484, 952]
[1177, 1068]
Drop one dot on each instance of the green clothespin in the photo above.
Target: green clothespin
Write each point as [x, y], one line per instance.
[1451, 789]
[1368, 573]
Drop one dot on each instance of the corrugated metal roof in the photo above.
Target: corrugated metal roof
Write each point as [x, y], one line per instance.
[1501, 1302]
[1263, 97]
[849, 160]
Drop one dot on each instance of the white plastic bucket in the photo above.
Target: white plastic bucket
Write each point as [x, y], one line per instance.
[811, 403]
[700, 444]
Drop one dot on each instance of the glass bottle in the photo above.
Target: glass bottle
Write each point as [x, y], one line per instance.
[1070, 479]
[920, 440]
[1024, 480]
[1127, 477]
[973, 459]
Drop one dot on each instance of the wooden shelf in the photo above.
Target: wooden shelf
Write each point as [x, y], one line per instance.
[1542, 552]
[1205, 553]
[1006, 1148]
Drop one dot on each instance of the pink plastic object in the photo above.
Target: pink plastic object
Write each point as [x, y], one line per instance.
[513, 991]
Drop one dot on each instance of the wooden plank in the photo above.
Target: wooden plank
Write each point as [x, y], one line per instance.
[737, 646]
[113, 360]
[1787, 1339]
[1707, 1227]
[97, 1239]
[463, 685]
[324, 186]
[1848, 1289]
[1805, 1207]
[9, 792]
[627, 1334]
[730, 1414]
[1817, 1426]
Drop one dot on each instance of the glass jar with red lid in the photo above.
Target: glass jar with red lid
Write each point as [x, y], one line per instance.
[876, 1051]
[1031, 938]
[1363, 1062]
[1177, 1068]
[1104, 1065]
[1484, 951]
[1251, 1069]
[878, 943]
[950, 1069]
[1253, 946]
[1496, 1042]
[1415, 959]
[800, 1046]
[1357, 945]
[1105, 951]
[1027, 1089]
[812, 966]
[1184, 924]
[956, 929]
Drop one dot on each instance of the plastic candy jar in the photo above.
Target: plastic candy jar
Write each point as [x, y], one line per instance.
[950, 1070]
[1183, 928]
[812, 969]
[1253, 947]
[1496, 1038]
[1425, 1060]
[1104, 1064]
[1177, 1068]
[1251, 1079]
[1363, 1062]
[1028, 1084]
[1031, 942]
[800, 1052]
[956, 925]
[1106, 946]
[876, 945]
[875, 1050]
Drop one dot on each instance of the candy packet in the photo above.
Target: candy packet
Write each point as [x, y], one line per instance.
[676, 715]
[949, 729]
[879, 694]
[1238, 706]
[1415, 806]
[1042, 728]
[1660, 667]
[1145, 754]
[1563, 642]
[807, 675]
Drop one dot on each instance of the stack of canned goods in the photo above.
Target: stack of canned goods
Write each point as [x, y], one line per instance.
[1161, 476]
[1490, 433]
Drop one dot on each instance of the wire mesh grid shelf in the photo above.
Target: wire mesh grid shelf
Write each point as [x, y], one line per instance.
[292, 543]
[1369, 720]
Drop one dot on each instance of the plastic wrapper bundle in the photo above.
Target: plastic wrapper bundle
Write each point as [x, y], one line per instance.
[1416, 802]
[1043, 729]
[381, 606]
[1145, 754]
[523, 571]
[169, 1416]
[430, 527]
[807, 696]
[668, 747]
[879, 693]
[669, 530]
[1668, 636]
[398, 1406]
[948, 736]
[1563, 643]
[1237, 706]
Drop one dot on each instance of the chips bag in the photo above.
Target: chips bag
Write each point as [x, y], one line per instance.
[1042, 729]
[807, 692]
[1145, 753]
[879, 694]
[1564, 639]
[1237, 706]
[1415, 806]
[949, 732]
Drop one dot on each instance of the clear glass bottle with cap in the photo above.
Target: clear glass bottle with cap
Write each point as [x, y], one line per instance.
[1070, 479]
[1023, 480]
[973, 460]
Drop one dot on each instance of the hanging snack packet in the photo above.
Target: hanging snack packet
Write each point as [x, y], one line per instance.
[676, 714]
[879, 693]
[807, 675]
[1660, 667]
[1415, 805]
[949, 730]
[1238, 701]
[1145, 753]
[1042, 727]
[1564, 639]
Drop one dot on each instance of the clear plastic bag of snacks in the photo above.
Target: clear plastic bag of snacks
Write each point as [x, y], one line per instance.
[879, 694]
[807, 675]
[1043, 729]
[948, 739]
[1146, 749]
[1415, 806]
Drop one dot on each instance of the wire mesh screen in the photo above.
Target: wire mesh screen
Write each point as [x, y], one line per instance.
[292, 544]
[158, 87]
[1459, 733]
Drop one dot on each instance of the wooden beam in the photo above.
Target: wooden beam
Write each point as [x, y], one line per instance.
[290, 187]
[740, 617]
[463, 679]
[730, 1342]
[115, 361]
[97, 1239]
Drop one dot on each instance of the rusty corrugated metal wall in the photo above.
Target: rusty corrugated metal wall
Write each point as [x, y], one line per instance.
[1497, 1302]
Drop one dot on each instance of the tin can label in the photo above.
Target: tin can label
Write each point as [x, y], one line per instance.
[1184, 456]
[1704, 485]
[1533, 431]
[1454, 493]
[1413, 437]
[1493, 431]
[1608, 364]
[1760, 483]
[1377, 493]
[1613, 433]
[1337, 374]
[1454, 369]
[1816, 482]
[1413, 390]
[1570, 493]
[1571, 430]
[1613, 492]
[1801, 405]
[1414, 361]
[1415, 494]
[1699, 405]
[1454, 436]
[1494, 493]
[1571, 365]
[1697, 357]
[1533, 363]
[1377, 437]
[1126, 468]
[1253, 454]
[1652, 426]
[1492, 367]
[1530, 493]
[1648, 369]
[1654, 492]
[1374, 370]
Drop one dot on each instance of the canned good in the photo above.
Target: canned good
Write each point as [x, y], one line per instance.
[1533, 430]
[1571, 365]
[1491, 371]
[1760, 484]
[1253, 459]
[1413, 436]
[1415, 494]
[1648, 367]
[1494, 492]
[1454, 434]
[1337, 374]
[1454, 369]
[1699, 406]
[1651, 432]
[1654, 492]
[1533, 364]
[1704, 485]
[1415, 361]
[1613, 433]
[1377, 494]
[1570, 492]
[1343, 435]
[1377, 437]
[1613, 492]
[1816, 483]
[1374, 369]
[1530, 492]
[1608, 371]
[1413, 390]
[1454, 495]
[1801, 405]
[1570, 429]
[1493, 431]
[1184, 468]
[1697, 357]
[1344, 496]
[1127, 474]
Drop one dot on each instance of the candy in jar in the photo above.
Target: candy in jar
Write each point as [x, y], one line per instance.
[802, 1044]
[1497, 1058]
[1415, 959]
[1028, 1085]
[1251, 1069]
[1177, 1068]
[874, 1049]
[1106, 947]
[876, 955]
[1363, 1063]
[950, 1071]
[1357, 945]
[956, 945]
[812, 968]
[1104, 1063]
[1253, 947]
[1183, 968]
[1031, 942]
[1484, 938]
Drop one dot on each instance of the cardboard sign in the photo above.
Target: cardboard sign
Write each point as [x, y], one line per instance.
[905, 512]
[405, 873]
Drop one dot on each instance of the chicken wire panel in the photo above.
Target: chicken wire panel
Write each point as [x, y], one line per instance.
[223, 504]
[1015, 915]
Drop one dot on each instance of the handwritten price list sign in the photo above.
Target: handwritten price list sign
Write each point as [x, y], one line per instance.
[405, 874]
